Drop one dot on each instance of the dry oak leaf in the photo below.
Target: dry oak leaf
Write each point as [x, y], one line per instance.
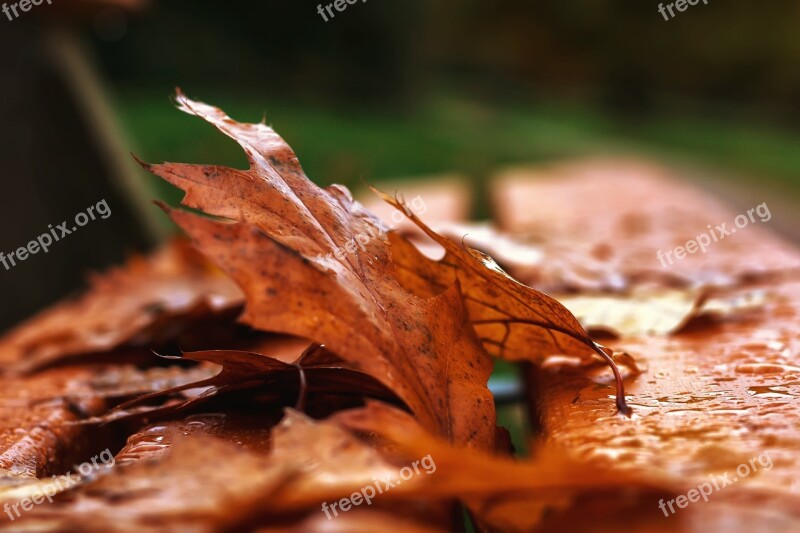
[42, 434]
[658, 311]
[336, 464]
[315, 372]
[195, 487]
[314, 263]
[206, 483]
[251, 431]
[132, 305]
[513, 321]
[130, 392]
[644, 311]
[506, 494]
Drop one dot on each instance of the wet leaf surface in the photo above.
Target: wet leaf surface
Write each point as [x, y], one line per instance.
[147, 300]
[314, 263]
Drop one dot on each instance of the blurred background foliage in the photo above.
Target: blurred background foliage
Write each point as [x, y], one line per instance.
[387, 89]
[395, 88]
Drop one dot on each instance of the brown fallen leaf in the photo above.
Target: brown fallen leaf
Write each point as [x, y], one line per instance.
[134, 305]
[721, 306]
[645, 311]
[119, 383]
[194, 487]
[655, 311]
[251, 432]
[504, 494]
[742, 369]
[315, 372]
[314, 263]
[212, 483]
[314, 464]
[644, 308]
[513, 321]
[43, 431]
[151, 444]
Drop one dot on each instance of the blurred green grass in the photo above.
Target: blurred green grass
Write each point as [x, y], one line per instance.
[448, 134]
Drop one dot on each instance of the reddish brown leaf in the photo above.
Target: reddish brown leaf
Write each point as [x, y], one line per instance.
[196, 487]
[314, 263]
[138, 304]
[514, 321]
[505, 494]
[204, 483]
[315, 372]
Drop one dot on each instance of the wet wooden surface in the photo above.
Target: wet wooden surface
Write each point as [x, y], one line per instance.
[718, 394]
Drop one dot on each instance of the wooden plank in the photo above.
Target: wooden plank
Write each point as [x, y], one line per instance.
[719, 394]
[601, 223]
[34, 442]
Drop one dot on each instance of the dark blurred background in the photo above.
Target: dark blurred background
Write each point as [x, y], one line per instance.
[386, 89]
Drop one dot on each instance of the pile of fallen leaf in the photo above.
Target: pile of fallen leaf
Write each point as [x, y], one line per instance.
[256, 377]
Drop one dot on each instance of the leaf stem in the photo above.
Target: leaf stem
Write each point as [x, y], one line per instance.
[622, 405]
